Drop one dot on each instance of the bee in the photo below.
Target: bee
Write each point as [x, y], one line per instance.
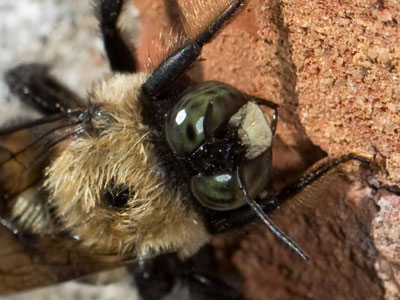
[150, 164]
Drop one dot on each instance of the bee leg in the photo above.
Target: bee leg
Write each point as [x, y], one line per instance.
[315, 173]
[210, 287]
[33, 84]
[230, 220]
[179, 61]
[119, 54]
[195, 273]
[156, 277]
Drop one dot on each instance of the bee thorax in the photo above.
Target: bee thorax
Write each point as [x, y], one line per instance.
[108, 190]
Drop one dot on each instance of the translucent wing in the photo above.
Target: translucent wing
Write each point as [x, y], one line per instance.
[33, 253]
[29, 261]
[25, 149]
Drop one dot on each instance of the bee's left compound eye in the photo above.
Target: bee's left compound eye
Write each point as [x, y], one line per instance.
[201, 111]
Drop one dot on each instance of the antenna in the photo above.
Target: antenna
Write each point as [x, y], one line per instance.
[263, 216]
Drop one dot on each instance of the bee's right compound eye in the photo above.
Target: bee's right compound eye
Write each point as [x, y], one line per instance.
[221, 191]
[186, 127]
[218, 191]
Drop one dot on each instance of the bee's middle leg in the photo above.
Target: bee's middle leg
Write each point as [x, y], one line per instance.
[33, 84]
[120, 56]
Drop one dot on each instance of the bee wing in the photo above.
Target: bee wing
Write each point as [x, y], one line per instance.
[36, 260]
[30, 260]
[25, 150]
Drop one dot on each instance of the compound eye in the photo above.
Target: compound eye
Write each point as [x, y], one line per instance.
[218, 191]
[221, 191]
[205, 107]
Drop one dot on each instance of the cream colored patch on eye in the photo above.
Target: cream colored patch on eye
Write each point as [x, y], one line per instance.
[254, 128]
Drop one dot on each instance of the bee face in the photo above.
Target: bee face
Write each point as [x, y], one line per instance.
[220, 133]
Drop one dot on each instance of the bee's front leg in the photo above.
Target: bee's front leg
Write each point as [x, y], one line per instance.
[179, 61]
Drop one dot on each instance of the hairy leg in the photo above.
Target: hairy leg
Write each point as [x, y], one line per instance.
[179, 61]
[33, 84]
[119, 55]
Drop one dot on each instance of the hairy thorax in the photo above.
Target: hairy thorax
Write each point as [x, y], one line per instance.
[120, 155]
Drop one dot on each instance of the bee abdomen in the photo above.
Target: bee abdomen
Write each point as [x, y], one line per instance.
[30, 212]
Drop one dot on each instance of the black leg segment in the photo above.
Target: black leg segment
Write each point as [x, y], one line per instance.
[210, 287]
[177, 63]
[221, 222]
[156, 277]
[315, 173]
[33, 84]
[119, 54]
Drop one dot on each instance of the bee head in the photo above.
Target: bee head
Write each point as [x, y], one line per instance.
[220, 133]
[225, 139]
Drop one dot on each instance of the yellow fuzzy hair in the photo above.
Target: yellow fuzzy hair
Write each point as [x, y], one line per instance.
[155, 219]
